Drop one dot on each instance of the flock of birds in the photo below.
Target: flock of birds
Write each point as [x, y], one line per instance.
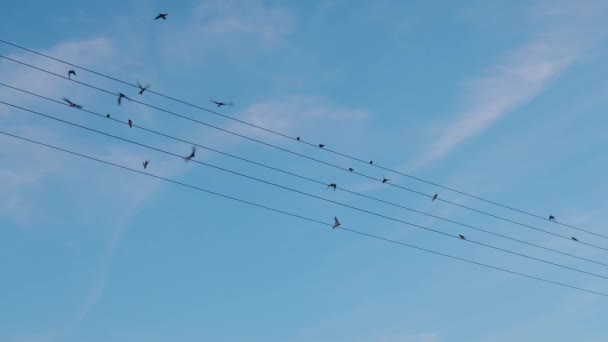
[219, 104]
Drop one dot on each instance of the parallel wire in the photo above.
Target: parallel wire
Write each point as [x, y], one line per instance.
[310, 179]
[299, 154]
[309, 143]
[310, 195]
[350, 230]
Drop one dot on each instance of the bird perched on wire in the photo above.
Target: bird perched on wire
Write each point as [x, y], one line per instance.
[321, 145]
[192, 154]
[573, 238]
[145, 163]
[142, 88]
[70, 73]
[332, 185]
[219, 103]
[298, 138]
[122, 96]
[72, 104]
[384, 179]
[462, 237]
[351, 169]
[130, 122]
[371, 162]
[551, 218]
[108, 116]
[435, 197]
[336, 223]
[162, 16]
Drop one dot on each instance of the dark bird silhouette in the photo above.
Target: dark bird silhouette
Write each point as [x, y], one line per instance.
[384, 179]
[108, 116]
[298, 138]
[142, 88]
[336, 223]
[573, 238]
[462, 237]
[371, 162]
[219, 103]
[192, 155]
[130, 122]
[435, 197]
[162, 16]
[351, 169]
[72, 104]
[122, 96]
[145, 163]
[332, 185]
[551, 218]
[70, 73]
[321, 145]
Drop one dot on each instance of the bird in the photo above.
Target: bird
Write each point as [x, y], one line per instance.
[130, 122]
[72, 104]
[321, 145]
[332, 185]
[219, 103]
[145, 163]
[351, 169]
[121, 96]
[142, 88]
[435, 197]
[462, 237]
[162, 16]
[336, 223]
[70, 73]
[384, 179]
[192, 155]
[108, 116]
[551, 218]
[573, 238]
[298, 138]
[371, 162]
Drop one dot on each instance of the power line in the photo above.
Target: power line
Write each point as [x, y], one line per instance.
[311, 144]
[310, 195]
[311, 179]
[308, 219]
[292, 152]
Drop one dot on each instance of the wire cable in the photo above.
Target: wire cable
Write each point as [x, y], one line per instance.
[350, 230]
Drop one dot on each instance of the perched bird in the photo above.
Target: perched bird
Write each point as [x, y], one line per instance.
[384, 179]
[321, 145]
[219, 104]
[72, 104]
[298, 138]
[130, 122]
[108, 116]
[145, 163]
[435, 197]
[70, 73]
[121, 96]
[573, 238]
[371, 162]
[462, 237]
[162, 16]
[142, 88]
[551, 218]
[336, 223]
[351, 169]
[332, 185]
[192, 155]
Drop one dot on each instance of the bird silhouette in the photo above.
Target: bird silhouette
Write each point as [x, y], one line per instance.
[70, 73]
[162, 16]
[321, 145]
[462, 237]
[108, 116]
[371, 162]
[130, 122]
[351, 169]
[384, 179]
[573, 238]
[145, 163]
[219, 103]
[121, 96]
[332, 185]
[72, 104]
[298, 138]
[435, 197]
[336, 223]
[142, 88]
[551, 218]
[192, 155]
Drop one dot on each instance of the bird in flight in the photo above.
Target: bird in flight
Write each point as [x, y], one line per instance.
[462, 237]
[573, 238]
[145, 163]
[351, 169]
[142, 88]
[435, 197]
[332, 185]
[321, 145]
[162, 16]
[336, 223]
[70, 73]
[121, 96]
[130, 122]
[192, 155]
[219, 103]
[551, 218]
[384, 179]
[72, 104]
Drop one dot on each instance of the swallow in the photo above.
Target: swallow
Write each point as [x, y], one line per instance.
[219, 104]
[462, 237]
[351, 169]
[435, 197]
[108, 116]
[551, 218]
[72, 104]
[371, 162]
[121, 96]
[321, 145]
[145, 163]
[162, 16]
[336, 223]
[332, 185]
[130, 122]
[192, 155]
[573, 238]
[142, 88]
[70, 73]
[384, 179]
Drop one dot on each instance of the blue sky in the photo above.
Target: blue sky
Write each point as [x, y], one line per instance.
[504, 99]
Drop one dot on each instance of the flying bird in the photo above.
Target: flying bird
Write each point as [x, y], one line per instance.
[336, 223]
[435, 197]
[321, 145]
[72, 104]
[384, 179]
[351, 169]
[121, 96]
[551, 218]
[573, 238]
[162, 16]
[371, 162]
[70, 73]
[145, 163]
[142, 88]
[130, 122]
[332, 185]
[219, 103]
[192, 155]
[462, 237]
